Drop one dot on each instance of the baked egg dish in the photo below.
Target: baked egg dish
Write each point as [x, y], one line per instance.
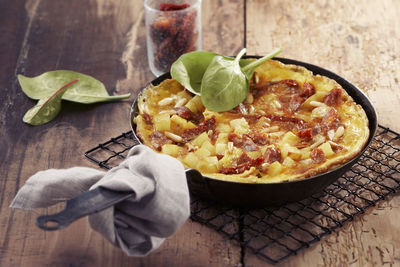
[292, 125]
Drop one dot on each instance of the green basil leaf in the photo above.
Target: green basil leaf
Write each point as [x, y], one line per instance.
[87, 91]
[189, 68]
[224, 85]
[47, 108]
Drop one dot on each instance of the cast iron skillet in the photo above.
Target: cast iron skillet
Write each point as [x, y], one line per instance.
[233, 193]
[273, 194]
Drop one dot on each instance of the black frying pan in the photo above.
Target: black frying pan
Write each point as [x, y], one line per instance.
[234, 193]
[273, 194]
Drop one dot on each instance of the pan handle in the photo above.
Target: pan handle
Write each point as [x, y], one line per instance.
[84, 204]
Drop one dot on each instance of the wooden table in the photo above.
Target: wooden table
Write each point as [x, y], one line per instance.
[359, 40]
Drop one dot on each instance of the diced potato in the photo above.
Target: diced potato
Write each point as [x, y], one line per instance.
[327, 149]
[162, 122]
[305, 153]
[288, 162]
[199, 140]
[318, 140]
[171, 149]
[290, 139]
[254, 154]
[229, 158]
[220, 148]
[219, 116]
[223, 128]
[222, 138]
[202, 152]
[284, 148]
[240, 126]
[209, 165]
[212, 160]
[207, 145]
[191, 160]
[195, 104]
[274, 169]
[295, 153]
[184, 94]
[182, 123]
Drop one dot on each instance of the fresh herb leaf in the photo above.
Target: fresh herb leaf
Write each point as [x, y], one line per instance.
[224, 85]
[47, 108]
[88, 90]
[189, 68]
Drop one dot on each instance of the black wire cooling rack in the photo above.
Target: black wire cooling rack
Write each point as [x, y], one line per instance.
[277, 233]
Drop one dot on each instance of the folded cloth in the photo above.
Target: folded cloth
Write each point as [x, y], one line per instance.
[138, 225]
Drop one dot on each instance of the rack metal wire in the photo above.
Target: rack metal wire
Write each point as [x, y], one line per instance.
[278, 233]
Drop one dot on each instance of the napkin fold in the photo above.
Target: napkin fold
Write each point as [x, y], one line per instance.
[138, 225]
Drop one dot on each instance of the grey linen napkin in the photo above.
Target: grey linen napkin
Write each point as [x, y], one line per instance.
[138, 225]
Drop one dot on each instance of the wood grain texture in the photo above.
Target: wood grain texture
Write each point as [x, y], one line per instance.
[105, 39]
[360, 41]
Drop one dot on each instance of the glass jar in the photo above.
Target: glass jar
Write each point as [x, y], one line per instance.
[172, 29]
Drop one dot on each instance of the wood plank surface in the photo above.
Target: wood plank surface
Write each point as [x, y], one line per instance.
[105, 39]
[360, 41]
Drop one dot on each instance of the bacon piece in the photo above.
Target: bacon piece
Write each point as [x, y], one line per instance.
[317, 155]
[291, 102]
[243, 159]
[251, 119]
[291, 83]
[242, 142]
[308, 90]
[242, 167]
[203, 126]
[259, 138]
[317, 129]
[284, 118]
[272, 154]
[147, 118]
[187, 114]
[333, 97]
[158, 139]
[306, 133]
[183, 112]
[214, 137]
[331, 120]
[283, 87]
[260, 89]
[295, 103]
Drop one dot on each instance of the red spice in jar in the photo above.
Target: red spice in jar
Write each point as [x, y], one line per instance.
[172, 34]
